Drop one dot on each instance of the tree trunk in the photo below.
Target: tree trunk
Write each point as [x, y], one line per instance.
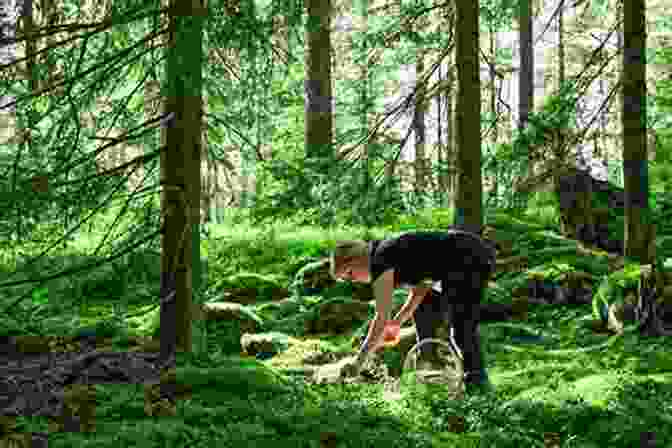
[493, 107]
[360, 60]
[419, 129]
[27, 29]
[559, 147]
[440, 151]
[180, 178]
[318, 90]
[452, 168]
[635, 161]
[615, 174]
[526, 79]
[468, 210]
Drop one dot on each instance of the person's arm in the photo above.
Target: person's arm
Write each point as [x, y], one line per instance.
[415, 298]
[382, 291]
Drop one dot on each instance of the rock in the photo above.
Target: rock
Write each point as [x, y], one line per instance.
[337, 316]
[304, 354]
[282, 309]
[372, 370]
[315, 279]
[264, 343]
[574, 191]
[248, 288]
[249, 321]
[578, 218]
[574, 287]
[312, 278]
[332, 373]
[320, 358]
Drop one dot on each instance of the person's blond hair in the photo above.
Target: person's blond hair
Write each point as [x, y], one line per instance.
[346, 252]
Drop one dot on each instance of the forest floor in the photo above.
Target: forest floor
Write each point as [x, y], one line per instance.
[559, 390]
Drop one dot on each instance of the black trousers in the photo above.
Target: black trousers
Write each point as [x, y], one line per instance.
[459, 305]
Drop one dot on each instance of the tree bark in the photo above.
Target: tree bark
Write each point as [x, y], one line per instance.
[180, 176]
[493, 106]
[318, 90]
[468, 210]
[360, 59]
[419, 128]
[526, 79]
[638, 223]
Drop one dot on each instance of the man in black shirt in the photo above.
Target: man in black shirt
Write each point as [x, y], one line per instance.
[455, 264]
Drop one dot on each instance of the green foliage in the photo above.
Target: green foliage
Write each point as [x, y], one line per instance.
[439, 218]
[407, 223]
[612, 287]
[275, 311]
[498, 14]
[289, 315]
[223, 336]
[506, 162]
[110, 328]
[660, 119]
[427, 219]
[600, 8]
[314, 268]
[11, 326]
[241, 402]
[322, 192]
[266, 406]
[558, 111]
[542, 199]
[509, 162]
[233, 376]
[546, 216]
[551, 271]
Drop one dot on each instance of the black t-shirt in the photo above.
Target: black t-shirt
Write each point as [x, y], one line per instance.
[429, 257]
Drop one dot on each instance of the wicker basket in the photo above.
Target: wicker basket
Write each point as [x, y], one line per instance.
[448, 378]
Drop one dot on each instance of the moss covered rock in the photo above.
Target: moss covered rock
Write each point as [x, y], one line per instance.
[249, 287]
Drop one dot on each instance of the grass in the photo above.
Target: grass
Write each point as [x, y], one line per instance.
[609, 397]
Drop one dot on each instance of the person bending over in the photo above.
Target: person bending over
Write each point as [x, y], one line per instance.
[455, 264]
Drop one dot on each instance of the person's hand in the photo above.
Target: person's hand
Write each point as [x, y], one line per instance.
[391, 333]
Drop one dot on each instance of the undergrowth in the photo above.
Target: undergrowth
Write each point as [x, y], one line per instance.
[615, 396]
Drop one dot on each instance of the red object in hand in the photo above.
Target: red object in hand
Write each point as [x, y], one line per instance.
[391, 333]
